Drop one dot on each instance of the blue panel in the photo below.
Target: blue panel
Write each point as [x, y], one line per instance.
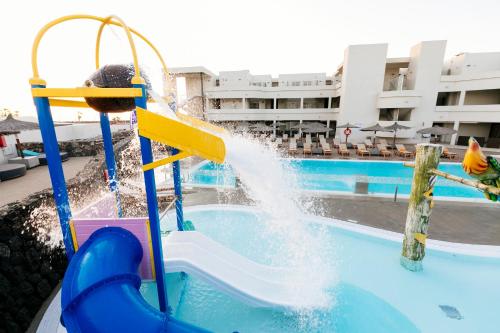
[51, 149]
[176, 168]
[110, 159]
[154, 219]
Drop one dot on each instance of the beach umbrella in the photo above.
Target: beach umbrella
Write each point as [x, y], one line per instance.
[437, 130]
[395, 128]
[13, 126]
[347, 130]
[375, 128]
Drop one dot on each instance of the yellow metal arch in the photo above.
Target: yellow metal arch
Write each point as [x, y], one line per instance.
[108, 20]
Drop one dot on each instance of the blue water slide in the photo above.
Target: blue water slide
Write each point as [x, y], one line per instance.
[100, 291]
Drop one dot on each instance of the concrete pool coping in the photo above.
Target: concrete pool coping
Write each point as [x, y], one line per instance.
[476, 250]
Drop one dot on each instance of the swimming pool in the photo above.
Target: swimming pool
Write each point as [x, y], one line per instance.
[373, 294]
[345, 177]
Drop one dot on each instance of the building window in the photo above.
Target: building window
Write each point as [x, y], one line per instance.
[295, 83]
[482, 97]
[445, 98]
[307, 83]
[288, 103]
[217, 83]
[275, 84]
[395, 115]
[387, 115]
[214, 103]
[329, 82]
[404, 115]
[253, 105]
[335, 102]
[316, 103]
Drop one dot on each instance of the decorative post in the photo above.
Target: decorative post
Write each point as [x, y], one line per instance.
[420, 206]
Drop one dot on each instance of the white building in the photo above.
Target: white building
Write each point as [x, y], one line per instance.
[419, 91]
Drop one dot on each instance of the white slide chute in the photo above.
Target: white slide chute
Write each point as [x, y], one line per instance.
[253, 283]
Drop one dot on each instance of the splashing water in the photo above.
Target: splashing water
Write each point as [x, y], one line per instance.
[271, 182]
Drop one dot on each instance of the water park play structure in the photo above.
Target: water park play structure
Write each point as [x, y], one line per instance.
[111, 255]
[105, 252]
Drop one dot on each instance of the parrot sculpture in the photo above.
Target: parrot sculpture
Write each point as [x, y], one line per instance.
[486, 169]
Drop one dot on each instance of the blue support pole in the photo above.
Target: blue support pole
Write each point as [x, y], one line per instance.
[110, 159]
[176, 169]
[56, 173]
[154, 218]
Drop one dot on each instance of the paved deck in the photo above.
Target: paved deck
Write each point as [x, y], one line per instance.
[37, 179]
[450, 221]
[458, 150]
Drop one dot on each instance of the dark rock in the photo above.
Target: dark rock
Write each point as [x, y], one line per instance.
[43, 288]
[34, 278]
[23, 315]
[45, 269]
[4, 251]
[12, 327]
[17, 258]
[4, 286]
[26, 288]
[15, 243]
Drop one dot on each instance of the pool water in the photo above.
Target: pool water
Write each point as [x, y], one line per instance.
[349, 177]
[373, 293]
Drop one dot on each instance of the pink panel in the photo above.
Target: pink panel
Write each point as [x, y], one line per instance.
[84, 227]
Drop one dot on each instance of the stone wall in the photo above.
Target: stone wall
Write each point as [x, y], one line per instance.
[84, 147]
[32, 258]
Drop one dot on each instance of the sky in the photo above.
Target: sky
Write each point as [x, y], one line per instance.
[264, 36]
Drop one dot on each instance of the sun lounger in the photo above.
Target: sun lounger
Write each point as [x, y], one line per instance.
[42, 158]
[292, 147]
[308, 138]
[326, 148]
[361, 150]
[317, 151]
[383, 150]
[29, 161]
[368, 144]
[9, 171]
[343, 151]
[382, 142]
[307, 148]
[401, 151]
[322, 138]
[448, 154]
[285, 137]
[278, 142]
[336, 143]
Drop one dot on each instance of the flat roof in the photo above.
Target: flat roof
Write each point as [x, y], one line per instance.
[191, 70]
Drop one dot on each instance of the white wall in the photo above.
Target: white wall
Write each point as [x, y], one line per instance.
[424, 74]
[362, 81]
[478, 130]
[63, 133]
[467, 63]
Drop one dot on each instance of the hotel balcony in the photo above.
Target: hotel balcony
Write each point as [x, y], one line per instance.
[398, 99]
[236, 114]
